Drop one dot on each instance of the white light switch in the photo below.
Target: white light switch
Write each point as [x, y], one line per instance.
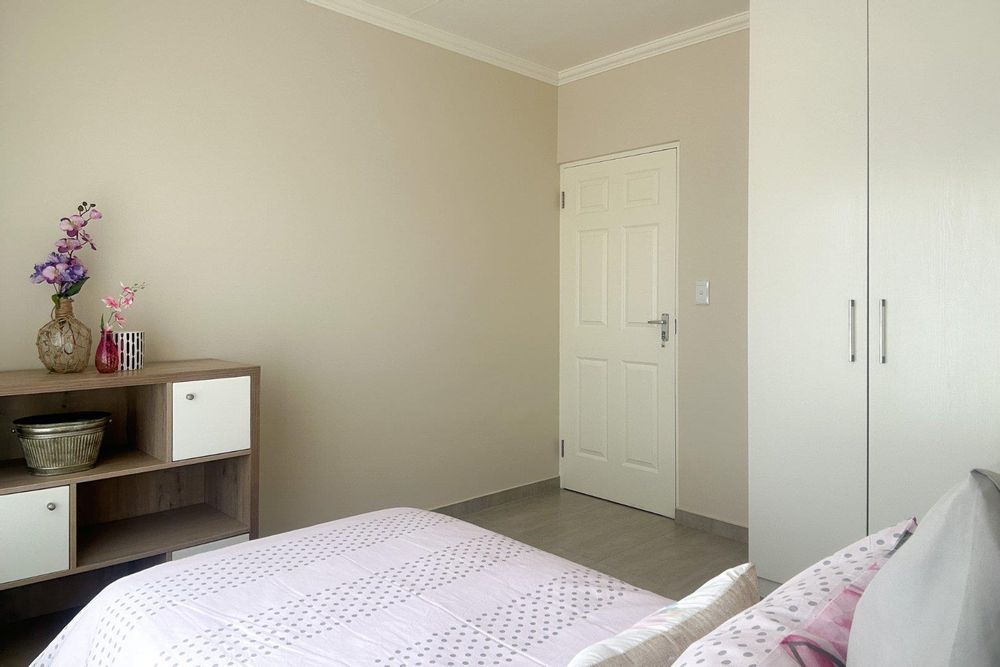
[701, 293]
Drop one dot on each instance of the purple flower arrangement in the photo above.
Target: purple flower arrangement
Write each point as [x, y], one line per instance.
[63, 269]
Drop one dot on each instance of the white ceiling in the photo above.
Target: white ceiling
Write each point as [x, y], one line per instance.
[554, 36]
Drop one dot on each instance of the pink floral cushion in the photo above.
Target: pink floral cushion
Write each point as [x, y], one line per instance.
[805, 622]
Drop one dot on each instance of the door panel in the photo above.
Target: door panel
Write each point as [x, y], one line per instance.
[618, 254]
[935, 244]
[34, 533]
[210, 417]
[807, 261]
[592, 375]
[639, 291]
[593, 285]
[208, 546]
[642, 423]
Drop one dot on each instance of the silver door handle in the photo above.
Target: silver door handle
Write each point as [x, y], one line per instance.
[50, 507]
[664, 323]
[850, 331]
[881, 330]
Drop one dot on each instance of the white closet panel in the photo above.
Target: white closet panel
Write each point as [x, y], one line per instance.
[34, 533]
[807, 260]
[935, 249]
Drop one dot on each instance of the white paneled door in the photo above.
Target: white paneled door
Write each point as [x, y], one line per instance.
[618, 230]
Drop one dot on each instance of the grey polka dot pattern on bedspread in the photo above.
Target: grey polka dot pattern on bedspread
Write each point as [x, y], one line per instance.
[314, 613]
[497, 637]
[395, 587]
[245, 568]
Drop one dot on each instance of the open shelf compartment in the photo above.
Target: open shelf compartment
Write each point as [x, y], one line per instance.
[128, 517]
[136, 436]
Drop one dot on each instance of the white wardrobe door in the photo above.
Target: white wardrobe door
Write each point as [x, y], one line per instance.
[935, 249]
[807, 260]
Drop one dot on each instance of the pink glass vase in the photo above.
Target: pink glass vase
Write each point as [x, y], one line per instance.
[107, 353]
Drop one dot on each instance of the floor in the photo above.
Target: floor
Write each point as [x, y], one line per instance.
[646, 550]
[643, 549]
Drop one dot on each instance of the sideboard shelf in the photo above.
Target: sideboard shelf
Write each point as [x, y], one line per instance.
[178, 468]
[150, 534]
[15, 477]
[40, 381]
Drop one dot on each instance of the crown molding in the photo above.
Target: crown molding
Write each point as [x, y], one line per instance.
[410, 27]
[404, 25]
[656, 47]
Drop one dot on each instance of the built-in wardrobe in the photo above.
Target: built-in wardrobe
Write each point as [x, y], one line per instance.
[874, 265]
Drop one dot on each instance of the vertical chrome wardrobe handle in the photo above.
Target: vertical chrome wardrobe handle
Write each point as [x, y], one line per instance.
[881, 330]
[850, 331]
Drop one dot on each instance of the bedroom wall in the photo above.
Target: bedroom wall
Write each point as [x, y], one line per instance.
[370, 218]
[696, 95]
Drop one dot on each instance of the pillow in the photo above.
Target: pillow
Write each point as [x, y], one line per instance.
[938, 601]
[805, 621]
[663, 635]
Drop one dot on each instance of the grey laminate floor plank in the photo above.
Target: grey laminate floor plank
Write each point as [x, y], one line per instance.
[644, 549]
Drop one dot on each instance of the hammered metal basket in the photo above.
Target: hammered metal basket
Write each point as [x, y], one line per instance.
[63, 443]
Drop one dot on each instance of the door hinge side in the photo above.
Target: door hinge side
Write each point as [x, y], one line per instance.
[562, 449]
[562, 199]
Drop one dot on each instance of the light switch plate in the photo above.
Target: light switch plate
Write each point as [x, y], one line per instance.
[701, 293]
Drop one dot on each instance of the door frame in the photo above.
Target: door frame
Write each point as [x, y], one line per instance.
[656, 148]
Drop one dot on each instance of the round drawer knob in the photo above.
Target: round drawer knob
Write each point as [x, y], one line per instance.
[50, 506]
[189, 397]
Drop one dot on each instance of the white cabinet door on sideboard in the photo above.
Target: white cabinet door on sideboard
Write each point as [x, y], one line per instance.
[34, 533]
[210, 417]
[208, 546]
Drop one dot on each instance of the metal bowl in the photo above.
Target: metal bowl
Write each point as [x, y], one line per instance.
[62, 443]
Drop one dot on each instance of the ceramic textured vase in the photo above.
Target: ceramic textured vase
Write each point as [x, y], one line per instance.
[106, 359]
[131, 347]
[64, 342]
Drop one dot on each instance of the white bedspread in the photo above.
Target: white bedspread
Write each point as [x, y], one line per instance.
[395, 587]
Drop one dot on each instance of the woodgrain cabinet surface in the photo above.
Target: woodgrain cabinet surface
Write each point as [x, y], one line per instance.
[173, 473]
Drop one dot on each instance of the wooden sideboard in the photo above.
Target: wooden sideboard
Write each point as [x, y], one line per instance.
[177, 473]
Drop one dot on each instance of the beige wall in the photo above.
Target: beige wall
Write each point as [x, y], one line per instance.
[697, 96]
[370, 218]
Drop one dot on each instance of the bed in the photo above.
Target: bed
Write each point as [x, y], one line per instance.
[410, 587]
[394, 587]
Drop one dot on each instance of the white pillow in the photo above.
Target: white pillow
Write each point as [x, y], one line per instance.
[937, 601]
[661, 637]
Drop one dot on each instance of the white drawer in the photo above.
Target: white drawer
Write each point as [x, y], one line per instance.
[34, 539]
[211, 417]
[209, 546]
